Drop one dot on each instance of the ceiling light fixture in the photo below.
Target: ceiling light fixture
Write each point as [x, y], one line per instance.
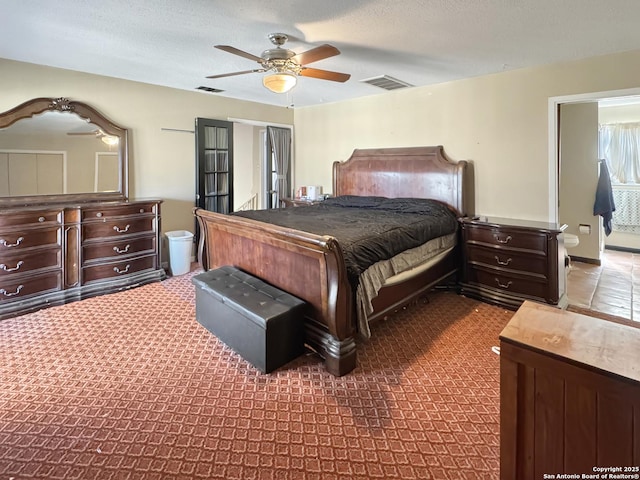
[109, 140]
[280, 82]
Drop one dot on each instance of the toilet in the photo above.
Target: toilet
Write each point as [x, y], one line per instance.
[570, 241]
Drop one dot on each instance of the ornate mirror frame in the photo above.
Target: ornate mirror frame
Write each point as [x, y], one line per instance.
[37, 106]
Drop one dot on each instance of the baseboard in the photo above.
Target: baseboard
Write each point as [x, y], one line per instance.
[622, 249]
[594, 261]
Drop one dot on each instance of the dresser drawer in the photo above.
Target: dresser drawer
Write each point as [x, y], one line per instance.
[28, 262]
[507, 259]
[118, 248]
[11, 242]
[118, 228]
[31, 218]
[110, 270]
[534, 287]
[118, 211]
[13, 289]
[507, 238]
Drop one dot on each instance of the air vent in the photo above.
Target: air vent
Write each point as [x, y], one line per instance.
[209, 89]
[386, 82]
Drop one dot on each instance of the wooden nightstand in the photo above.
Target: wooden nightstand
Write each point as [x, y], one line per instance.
[507, 261]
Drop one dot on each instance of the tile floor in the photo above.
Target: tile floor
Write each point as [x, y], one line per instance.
[613, 287]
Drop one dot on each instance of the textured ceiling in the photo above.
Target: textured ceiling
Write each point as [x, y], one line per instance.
[422, 42]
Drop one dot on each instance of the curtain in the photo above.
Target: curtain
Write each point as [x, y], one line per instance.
[280, 139]
[619, 144]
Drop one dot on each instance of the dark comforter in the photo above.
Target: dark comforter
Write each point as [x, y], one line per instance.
[368, 229]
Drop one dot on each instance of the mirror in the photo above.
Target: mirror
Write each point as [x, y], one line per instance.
[56, 150]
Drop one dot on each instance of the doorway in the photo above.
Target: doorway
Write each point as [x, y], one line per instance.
[555, 164]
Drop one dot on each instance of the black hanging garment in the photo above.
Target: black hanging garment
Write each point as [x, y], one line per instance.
[604, 204]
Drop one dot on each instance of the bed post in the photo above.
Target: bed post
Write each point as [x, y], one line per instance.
[339, 355]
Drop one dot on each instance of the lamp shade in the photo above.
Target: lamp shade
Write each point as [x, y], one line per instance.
[280, 82]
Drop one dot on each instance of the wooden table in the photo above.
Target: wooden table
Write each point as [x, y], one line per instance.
[569, 394]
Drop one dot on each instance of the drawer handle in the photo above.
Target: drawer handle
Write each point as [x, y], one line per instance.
[121, 230]
[117, 270]
[124, 250]
[501, 262]
[41, 219]
[18, 242]
[17, 267]
[7, 294]
[504, 285]
[500, 240]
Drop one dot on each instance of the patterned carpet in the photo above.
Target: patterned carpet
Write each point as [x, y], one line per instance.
[130, 386]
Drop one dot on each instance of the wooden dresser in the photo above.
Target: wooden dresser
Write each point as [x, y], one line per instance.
[507, 261]
[55, 254]
[569, 395]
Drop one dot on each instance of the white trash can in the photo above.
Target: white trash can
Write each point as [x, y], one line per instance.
[180, 243]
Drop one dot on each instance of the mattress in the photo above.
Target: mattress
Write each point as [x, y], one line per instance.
[397, 269]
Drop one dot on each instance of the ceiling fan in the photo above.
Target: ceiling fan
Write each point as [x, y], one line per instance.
[99, 134]
[285, 65]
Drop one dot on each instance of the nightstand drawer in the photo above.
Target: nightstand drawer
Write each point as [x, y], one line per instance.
[507, 259]
[507, 238]
[534, 287]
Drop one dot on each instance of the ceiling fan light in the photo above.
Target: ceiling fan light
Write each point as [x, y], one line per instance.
[280, 82]
[109, 140]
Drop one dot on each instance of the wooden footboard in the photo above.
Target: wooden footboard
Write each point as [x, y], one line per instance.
[309, 266]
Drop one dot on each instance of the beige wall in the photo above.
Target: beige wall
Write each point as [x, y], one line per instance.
[579, 176]
[499, 122]
[162, 163]
[620, 114]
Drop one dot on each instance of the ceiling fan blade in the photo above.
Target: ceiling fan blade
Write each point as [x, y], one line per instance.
[236, 73]
[315, 54]
[325, 74]
[95, 133]
[236, 51]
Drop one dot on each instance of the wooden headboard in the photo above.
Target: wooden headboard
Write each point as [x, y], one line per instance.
[418, 172]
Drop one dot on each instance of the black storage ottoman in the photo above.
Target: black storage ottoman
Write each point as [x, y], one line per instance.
[260, 322]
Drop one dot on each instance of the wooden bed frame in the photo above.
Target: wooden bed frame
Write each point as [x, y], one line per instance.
[312, 267]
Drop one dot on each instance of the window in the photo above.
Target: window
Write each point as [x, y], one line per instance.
[619, 144]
